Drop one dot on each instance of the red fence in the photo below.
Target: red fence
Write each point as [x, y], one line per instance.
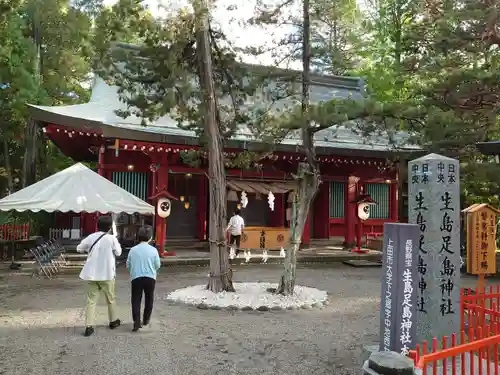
[476, 350]
[11, 232]
[473, 354]
[479, 309]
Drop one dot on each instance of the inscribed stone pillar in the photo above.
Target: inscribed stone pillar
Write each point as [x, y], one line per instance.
[434, 204]
[398, 316]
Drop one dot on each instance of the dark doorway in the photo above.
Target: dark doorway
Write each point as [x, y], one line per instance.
[182, 222]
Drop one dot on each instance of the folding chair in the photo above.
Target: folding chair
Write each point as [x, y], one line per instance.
[49, 250]
[61, 251]
[41, 262]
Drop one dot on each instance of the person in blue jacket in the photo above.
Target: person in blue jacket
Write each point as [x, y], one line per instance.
[143, 263]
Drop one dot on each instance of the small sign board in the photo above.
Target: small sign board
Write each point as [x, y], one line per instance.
[481, 229]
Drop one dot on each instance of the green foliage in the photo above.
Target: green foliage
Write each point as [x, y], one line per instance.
[335, 27]
[454, 81]
[335, 35]
[244, 160]
[440, 61]
[45, 50]
[161, 75]
[480, 181]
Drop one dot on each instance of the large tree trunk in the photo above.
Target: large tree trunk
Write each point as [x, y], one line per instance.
[30, 154]
[31, 139]
[8, 167]
[43, 171]
[308, 183]
[308, 176]
[220, 270]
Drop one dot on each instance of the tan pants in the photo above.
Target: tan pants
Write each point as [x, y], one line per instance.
[92, 293]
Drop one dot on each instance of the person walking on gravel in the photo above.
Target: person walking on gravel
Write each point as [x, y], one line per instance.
[235, 228]
[99, 272]
[143, 263]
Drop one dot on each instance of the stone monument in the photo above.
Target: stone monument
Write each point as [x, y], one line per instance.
[398, 292]
[434, 205]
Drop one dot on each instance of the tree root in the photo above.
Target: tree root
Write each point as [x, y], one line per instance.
[221, 283]
[280, 289]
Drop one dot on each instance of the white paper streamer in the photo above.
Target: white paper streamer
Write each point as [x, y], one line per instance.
[244, 199]
[270, 200]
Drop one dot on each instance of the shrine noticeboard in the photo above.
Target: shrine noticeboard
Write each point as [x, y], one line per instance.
[481, 226]
[269, 238]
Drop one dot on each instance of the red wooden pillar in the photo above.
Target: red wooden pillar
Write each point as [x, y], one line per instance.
[201, 207]
[154, 184]
[100, 170]
[350, 211]
[160, 181]
[277, 217]
[321, 211]
[101, 161]
[393, 202]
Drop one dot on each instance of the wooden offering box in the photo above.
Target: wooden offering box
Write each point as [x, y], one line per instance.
[270, 238]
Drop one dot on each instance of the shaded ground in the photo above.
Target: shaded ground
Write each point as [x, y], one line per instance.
[41, 325]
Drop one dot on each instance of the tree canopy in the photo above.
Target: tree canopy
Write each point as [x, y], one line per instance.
[429, 68]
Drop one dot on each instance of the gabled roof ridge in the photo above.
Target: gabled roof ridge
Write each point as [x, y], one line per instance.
[345, 82]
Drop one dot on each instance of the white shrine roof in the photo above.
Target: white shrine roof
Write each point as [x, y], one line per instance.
[99, 114]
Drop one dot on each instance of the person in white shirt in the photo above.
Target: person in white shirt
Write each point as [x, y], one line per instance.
[100, 271]
[235, 229]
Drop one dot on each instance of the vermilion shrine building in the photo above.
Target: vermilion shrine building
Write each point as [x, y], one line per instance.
[143, 160]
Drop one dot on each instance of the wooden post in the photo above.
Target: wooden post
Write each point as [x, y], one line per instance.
[350, 215]
[100, 171]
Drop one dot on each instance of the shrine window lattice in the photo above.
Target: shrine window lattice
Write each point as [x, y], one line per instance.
[135, 183]
[380, 193]
[337, 199]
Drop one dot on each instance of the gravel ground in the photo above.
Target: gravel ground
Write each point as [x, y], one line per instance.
[41, 326]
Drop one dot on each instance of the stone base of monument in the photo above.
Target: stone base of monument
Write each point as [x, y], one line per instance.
[367, 350]
[362, 263]
[388, 363]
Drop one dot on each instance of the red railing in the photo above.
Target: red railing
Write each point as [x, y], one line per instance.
[11, 232]
[479, 309]
[473, 354]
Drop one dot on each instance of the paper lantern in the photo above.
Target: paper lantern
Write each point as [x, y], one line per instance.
[182, 198]
[186, 205]
[364, 211]
[163, 207]
[232, 196]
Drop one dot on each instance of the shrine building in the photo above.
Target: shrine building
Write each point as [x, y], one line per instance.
[145, 159]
